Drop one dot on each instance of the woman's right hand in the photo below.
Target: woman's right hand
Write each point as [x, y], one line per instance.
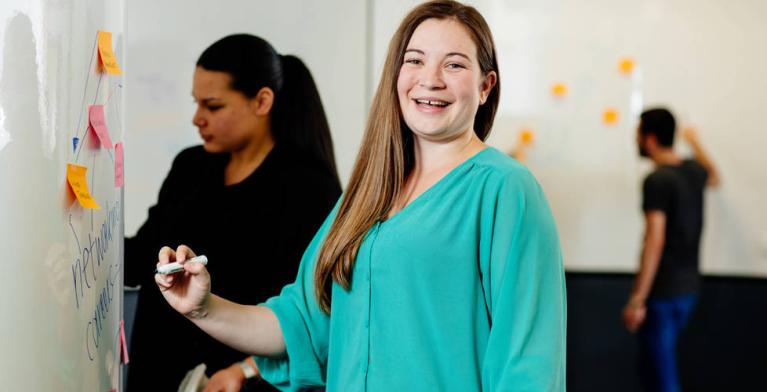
[188, 292]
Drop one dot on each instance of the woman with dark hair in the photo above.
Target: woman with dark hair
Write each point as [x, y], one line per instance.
[441, 261]
[265, 176]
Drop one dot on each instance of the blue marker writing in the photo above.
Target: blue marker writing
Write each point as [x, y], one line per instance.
[172, 268]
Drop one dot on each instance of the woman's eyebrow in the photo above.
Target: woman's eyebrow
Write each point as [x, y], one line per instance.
[458, 54]
[206, 100]
[421, 52]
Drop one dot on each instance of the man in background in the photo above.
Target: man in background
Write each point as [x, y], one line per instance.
[665, 288]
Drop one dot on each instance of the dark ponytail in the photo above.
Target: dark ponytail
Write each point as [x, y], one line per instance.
[297, 117]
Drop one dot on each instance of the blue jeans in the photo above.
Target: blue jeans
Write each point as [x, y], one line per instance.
[658, 335]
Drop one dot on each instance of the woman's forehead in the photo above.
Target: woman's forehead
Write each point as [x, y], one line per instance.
[442, 36]
[211, 81]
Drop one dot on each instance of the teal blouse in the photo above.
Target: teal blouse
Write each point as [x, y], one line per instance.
[462, 290]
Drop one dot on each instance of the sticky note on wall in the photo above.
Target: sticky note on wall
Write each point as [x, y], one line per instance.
[626, 66]
[610, 116]
[526, 136]
[99, 125]
[119, 181]
[559, 90]
[77, 181]
[107, 57]
[123, 343]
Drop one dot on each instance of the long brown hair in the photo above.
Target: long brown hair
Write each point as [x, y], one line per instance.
[386, 156]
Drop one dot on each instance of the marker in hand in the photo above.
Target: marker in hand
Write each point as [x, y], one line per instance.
[172, 268]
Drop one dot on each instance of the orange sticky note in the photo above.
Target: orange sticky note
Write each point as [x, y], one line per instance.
[124, 343]
[107, 57]
[559, 90]
[626, 66]
[526, 136]
[119, 180]
[610, 116]
[99, 125]
[77, 181]
[69, 196]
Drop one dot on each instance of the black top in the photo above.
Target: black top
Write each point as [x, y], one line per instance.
[253, 234]
[677, 190]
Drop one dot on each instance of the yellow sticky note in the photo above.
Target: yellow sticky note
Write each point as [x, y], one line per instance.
[626, 66]
[526, 136]
[559, 90]
[106, 55]
[610, 116]
[77, 180]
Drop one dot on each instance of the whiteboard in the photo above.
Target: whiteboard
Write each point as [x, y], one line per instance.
[705, 60]
[61, 272]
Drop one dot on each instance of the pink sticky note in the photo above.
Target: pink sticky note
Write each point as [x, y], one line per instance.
[99, 124]
[123, 342]
[119, 181]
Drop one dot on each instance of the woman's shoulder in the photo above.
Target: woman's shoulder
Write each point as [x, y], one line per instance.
[191, 154]
[302, 171]
[501, 168]
[195, 158]
[307, 184]
[505, 181]
[194, 163]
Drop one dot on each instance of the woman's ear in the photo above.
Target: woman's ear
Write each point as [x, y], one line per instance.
[488, 83]
[262, 103]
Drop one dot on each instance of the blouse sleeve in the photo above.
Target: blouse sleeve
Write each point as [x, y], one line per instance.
[305, 327]
[524, 283]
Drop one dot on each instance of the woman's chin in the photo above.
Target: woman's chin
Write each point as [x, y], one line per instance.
[213, 148]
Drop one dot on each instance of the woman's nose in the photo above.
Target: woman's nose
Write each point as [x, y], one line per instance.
[431, 78]
[198, 119]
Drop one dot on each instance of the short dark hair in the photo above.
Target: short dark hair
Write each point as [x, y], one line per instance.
[659, 122]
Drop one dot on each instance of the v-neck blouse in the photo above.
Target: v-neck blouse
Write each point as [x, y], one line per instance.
[461, 290]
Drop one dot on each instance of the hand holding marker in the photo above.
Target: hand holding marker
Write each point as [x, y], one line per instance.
[187, 292]
[172, 268]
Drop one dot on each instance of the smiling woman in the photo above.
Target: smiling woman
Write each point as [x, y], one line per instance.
[440, 268]
[441, 83]
[266, 148]
[440, 86]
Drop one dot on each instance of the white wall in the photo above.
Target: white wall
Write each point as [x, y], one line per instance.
[164, 40]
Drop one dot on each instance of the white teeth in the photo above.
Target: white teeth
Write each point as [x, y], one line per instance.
[432, 103]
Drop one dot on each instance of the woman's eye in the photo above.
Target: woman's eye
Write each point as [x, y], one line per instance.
[413, 61]
[455, 66]
[214, 108]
